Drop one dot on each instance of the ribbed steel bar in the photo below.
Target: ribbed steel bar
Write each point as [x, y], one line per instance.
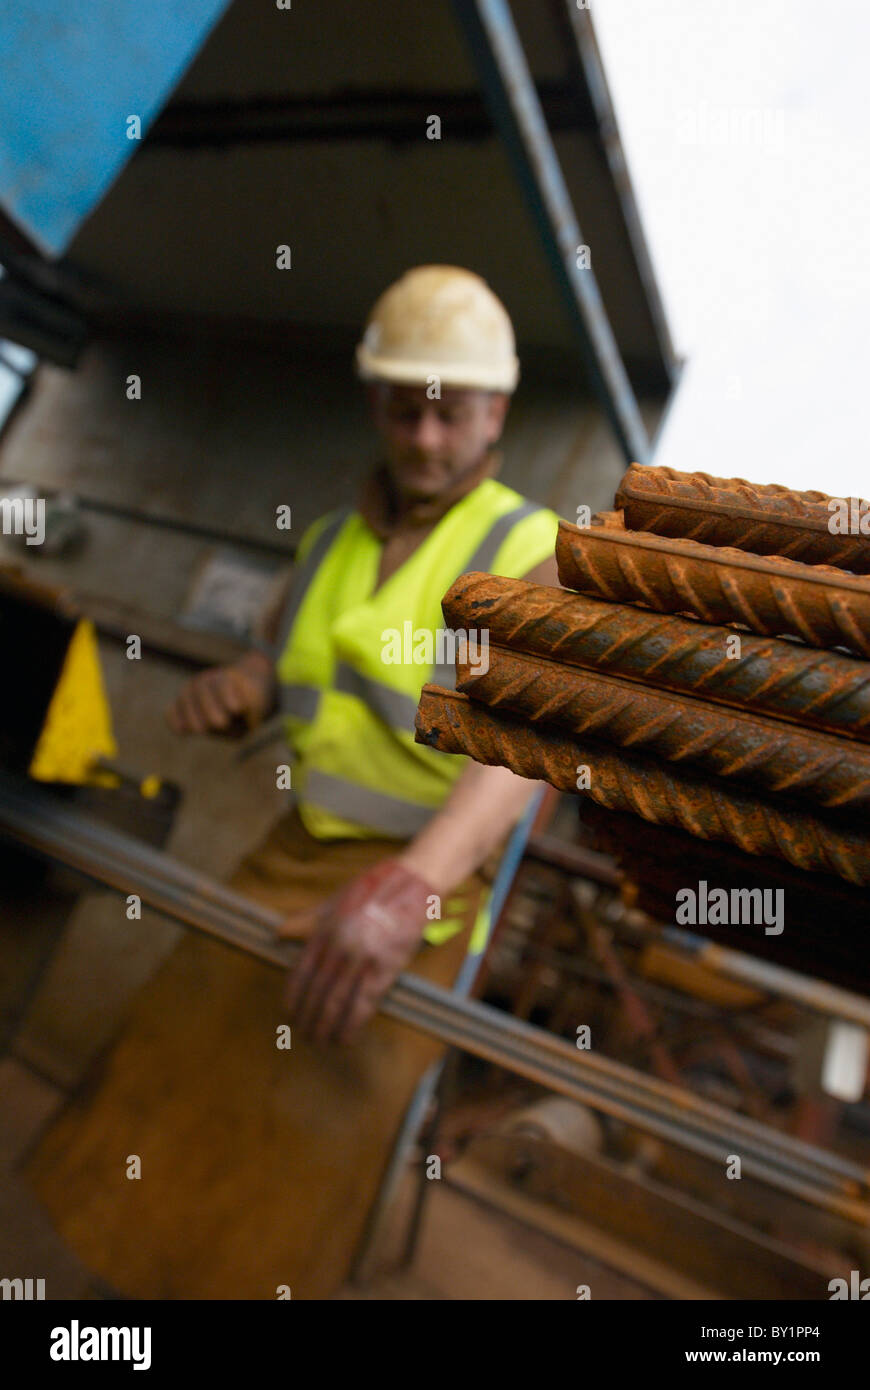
[825, 690]
[767, 519]
[732, 484]
[773, 756]
[824, 606]
[35, 819]
[632, 782]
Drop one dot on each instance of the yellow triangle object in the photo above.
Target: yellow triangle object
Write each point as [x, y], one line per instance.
[78, 724]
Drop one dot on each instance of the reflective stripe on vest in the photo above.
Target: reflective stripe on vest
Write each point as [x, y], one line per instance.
[306, 572]
[389, 815]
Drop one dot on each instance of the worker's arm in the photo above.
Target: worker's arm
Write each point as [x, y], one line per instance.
[485, 803]
[368, 933]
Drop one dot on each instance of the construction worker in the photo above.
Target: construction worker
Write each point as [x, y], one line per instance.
[378, 863]
[438, 354]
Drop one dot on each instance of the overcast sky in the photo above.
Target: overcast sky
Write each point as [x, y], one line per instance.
[746, 130]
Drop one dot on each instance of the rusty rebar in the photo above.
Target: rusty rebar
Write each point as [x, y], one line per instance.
[821, 689]
[624, 781]
[765, 518]
[825, 918]
[824, 912]
[774, 757]
[824, 606]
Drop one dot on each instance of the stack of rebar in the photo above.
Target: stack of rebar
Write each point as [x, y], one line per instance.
[706, 668]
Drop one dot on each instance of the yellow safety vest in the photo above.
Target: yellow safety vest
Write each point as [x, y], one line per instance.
[353, 660]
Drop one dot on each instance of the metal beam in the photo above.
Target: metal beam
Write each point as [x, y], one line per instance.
[517, 113]
[357, 114]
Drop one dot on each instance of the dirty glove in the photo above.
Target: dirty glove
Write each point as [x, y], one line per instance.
[363, 938]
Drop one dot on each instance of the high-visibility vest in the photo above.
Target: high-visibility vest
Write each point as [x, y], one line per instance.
[348, 703]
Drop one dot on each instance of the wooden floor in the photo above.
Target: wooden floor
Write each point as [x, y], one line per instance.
[466, 1250]
[469, 1251]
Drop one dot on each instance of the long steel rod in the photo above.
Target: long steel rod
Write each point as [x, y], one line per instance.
[765, 753]
[634, 782]
[769, 675]
[196, 899]
[184, 891]
[767, 519]
[35, 819]
[825, 607]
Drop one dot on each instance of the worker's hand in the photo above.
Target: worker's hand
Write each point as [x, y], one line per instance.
[224, 699]
[363, 938]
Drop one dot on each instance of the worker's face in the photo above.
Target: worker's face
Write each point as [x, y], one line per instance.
[431, 443]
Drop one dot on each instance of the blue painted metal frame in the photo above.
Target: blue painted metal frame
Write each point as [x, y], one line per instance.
[516, 112]
[72, 75]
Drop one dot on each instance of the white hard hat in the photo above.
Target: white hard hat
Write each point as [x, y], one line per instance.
[441, 321]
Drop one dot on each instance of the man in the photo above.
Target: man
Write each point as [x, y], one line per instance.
[438, 353]
[259, 1162]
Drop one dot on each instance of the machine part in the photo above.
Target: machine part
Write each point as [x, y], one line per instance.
[34, 818]
[147, 784]
[785, 679]
[826, 919]
[563, 1122]
[632, 782]
[573, 859]
[77, 732]
[773, 757]
[620, 835]
[413, 1128]
[687, 1245]
[844, 1074]
[61, 677]
[766, 519]
[442, 322]
[824, 606]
